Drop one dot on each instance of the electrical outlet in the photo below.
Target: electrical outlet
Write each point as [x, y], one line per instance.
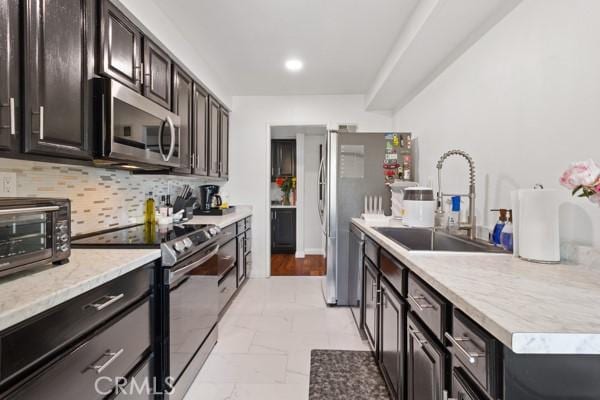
[8, 184]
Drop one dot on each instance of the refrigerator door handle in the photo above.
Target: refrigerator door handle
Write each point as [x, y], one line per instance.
[321, 192]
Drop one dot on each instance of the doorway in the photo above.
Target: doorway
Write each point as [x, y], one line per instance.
[297, 243]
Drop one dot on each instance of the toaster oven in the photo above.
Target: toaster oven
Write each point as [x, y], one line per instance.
[33, 232]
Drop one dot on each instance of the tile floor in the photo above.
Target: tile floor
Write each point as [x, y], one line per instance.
[265, 339]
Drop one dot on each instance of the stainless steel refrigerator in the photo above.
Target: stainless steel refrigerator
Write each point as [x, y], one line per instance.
[351, 167]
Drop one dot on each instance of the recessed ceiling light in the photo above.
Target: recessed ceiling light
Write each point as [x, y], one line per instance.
[294, 65]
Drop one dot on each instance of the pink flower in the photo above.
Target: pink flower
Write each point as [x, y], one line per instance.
[584, 173]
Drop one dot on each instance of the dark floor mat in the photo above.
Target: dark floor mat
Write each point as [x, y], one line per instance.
[341, 374]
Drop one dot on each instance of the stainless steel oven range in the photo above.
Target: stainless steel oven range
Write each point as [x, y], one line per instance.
[33, 232]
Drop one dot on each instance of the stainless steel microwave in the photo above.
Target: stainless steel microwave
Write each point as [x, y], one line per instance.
[132, 130]
[33, 232]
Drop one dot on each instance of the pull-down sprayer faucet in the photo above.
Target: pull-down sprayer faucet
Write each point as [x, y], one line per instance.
[472, 226]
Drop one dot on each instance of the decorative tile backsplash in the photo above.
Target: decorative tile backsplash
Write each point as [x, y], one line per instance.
[100, 198]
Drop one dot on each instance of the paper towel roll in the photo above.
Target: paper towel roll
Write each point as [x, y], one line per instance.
[537, 224]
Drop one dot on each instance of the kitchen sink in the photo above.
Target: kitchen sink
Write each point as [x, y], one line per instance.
[423, 239]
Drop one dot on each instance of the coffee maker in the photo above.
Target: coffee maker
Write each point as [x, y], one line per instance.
[208, 193]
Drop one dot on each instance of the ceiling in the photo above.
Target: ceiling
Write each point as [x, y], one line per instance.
[343, 43]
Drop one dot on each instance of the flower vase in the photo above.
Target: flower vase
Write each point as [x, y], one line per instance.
[286, 198]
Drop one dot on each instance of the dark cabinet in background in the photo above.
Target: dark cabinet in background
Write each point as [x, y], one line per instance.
[213, 138]
[283, 158]
[283, 230]
[183, 105]
[157, 74]
[392, 339]
[121, 47]
[224, 149]
[10, 98]
[57, 84]
[200, 134]
[370, 301]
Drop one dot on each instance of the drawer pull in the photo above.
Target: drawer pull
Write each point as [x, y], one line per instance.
[111, 300]
[471, 356]
[113, 356]
[421, 307]
[415, 334]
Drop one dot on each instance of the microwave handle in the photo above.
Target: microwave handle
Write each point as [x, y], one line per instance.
[10, 211]
[172, 128]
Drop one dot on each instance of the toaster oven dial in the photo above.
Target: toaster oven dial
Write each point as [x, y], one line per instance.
[64, 237]
[64, 248]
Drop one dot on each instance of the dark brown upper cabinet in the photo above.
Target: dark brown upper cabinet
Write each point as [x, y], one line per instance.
[200, 134]
[224, 148]
[183, 105]
[57, 84]
[213, 137]
[283, 158]
[157, 74]
[121, 48]
[10, 99]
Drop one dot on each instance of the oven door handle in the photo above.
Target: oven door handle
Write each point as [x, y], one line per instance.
[23, 210]
[175, 275]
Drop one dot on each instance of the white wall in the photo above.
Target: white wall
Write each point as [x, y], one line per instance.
[525, 102]
[313, 242]
[166, 31]
[250, 148]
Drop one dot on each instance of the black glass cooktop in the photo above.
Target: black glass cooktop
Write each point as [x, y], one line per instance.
[141, 236]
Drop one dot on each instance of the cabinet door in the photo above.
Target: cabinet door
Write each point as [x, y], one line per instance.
[426, 363]
[284, 230]
[241, 259]
[183, 95]
[371, 298]
[10, 99]
[224, 150]
[213, 138]
[57, 84]
[392, 340]
[287, 158]
[200, 134]
[121, 45]
[157, 74]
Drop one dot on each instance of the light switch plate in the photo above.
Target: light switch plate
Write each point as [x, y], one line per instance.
[8, 184]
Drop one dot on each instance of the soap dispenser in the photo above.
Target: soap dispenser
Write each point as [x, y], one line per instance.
[506, 237]
[497, 231]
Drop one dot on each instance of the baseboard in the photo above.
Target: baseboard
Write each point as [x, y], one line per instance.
[299, 254]
[314, 252]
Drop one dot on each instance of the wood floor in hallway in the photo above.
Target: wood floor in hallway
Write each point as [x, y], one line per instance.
[289, 265]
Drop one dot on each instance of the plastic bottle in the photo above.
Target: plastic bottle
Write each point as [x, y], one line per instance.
[454, 215]
[162, 208]
[498, 227]
[149, 212]
[506, 237]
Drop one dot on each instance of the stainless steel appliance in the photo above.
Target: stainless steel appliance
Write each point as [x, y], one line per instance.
[132, 130]
[355, 275]
[33, 232]
[351, 169]
[187, 295]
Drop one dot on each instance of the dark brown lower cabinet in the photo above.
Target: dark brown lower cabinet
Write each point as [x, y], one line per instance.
[370, 300]
[392, 339]
[461, 389]
[57, 80]
[426, 363]
[283, 230]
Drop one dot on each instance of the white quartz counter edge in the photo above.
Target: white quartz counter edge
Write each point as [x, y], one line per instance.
[222, 220]
[26, 295]
[513, 317]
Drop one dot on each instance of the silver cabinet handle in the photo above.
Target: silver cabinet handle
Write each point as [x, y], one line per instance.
[471, 356]
[192, 159]
[11, 104]
[113, 356]
[415, 300]
[415, 334]
[111, 300]
[41, 122]
[141, 76]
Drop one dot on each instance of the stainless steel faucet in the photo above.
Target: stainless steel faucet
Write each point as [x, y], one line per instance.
[472, 225]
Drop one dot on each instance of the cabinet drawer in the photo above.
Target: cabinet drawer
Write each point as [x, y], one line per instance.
[372, 251]
[227, 288]
[248, 244]
[248, 222]
[143, 373]
[394, 271]
[462, 389]
[113, 352]
[475, 351]
[241, 226]
[228, 233]
[428, 305]
[23, 345]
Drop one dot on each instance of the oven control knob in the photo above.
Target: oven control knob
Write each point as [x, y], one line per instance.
[179, 246]
[214, 230]
[187, 242]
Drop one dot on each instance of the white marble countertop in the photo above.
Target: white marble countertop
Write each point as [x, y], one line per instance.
[531, 308]
[222, 221]
[29, 293]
